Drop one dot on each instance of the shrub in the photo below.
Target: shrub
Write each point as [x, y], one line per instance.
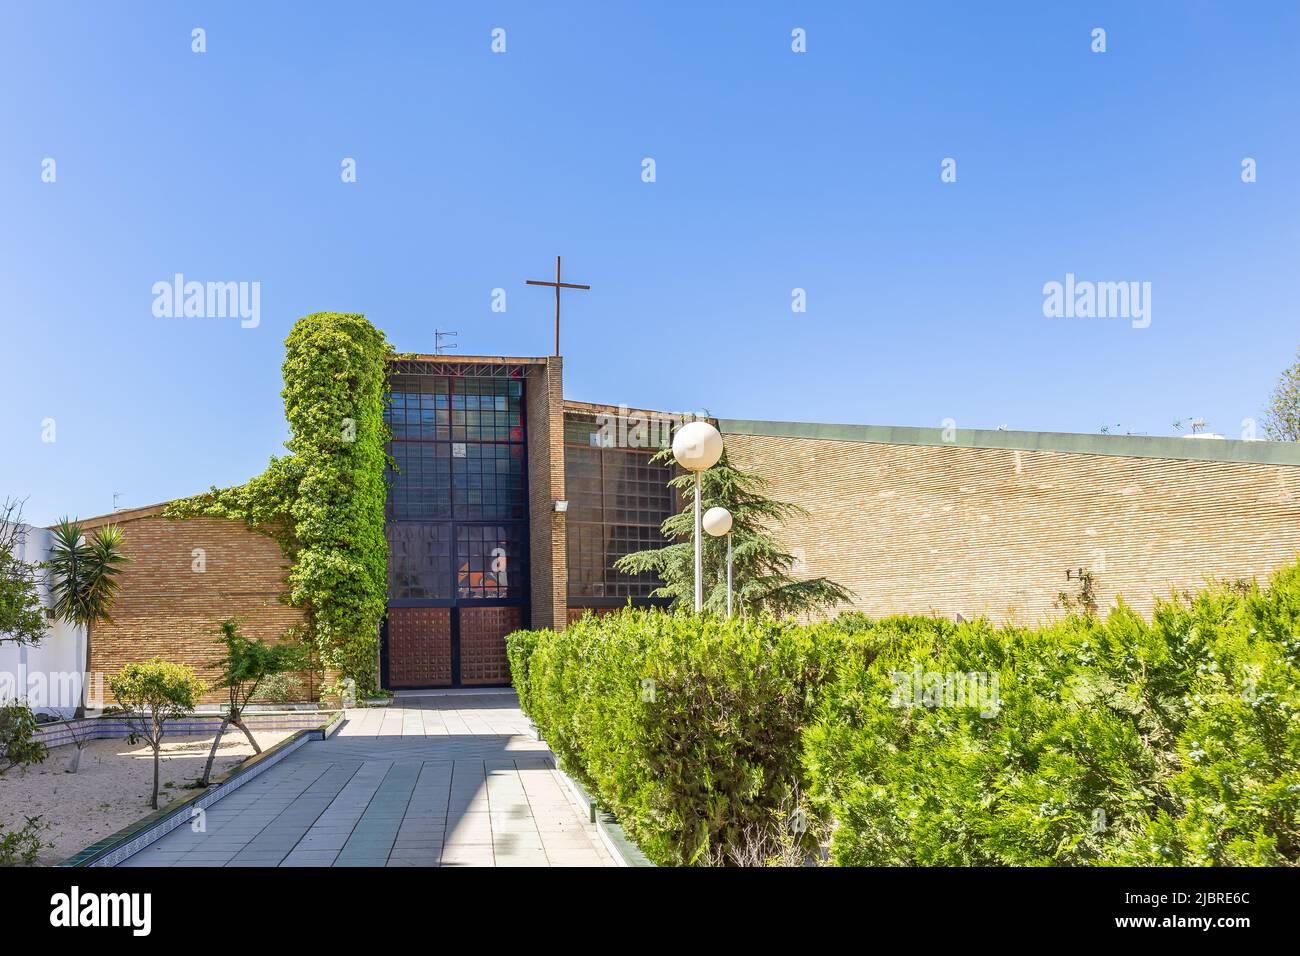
[1174, 742]
[519, 649]
[17, 728]
[281, 689]
[22, 618]
[1079, 742]
[686, 729]
[20, 847]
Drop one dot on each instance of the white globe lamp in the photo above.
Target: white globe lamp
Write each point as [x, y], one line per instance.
[697, 446]
[717, 522]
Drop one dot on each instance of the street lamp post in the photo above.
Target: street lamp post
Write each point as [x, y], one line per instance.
[717, 522]
[697, 446]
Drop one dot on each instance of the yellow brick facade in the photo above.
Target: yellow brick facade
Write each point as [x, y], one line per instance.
[911, 524]
[965, 530]
[547, 537]
[166, 608]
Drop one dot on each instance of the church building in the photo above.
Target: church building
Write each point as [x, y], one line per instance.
[511, 504]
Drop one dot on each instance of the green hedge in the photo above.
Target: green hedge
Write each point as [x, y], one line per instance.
[1115, 742]
[1174, 742]
[687, 731]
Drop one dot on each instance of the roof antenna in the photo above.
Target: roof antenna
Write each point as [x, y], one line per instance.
[116, 495]
[438, 336]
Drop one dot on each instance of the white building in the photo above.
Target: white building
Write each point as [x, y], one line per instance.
[48, 675]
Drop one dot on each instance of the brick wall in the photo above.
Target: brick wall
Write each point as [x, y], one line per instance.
[547, 554]
[576, 613]
[913, 528]
[168, 610]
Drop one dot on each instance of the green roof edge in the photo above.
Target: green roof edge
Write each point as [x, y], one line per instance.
[1121, 446]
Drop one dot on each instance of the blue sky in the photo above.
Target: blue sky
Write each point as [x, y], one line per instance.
[774, 171]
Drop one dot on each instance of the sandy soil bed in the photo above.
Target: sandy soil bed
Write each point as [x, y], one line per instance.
[111, 789]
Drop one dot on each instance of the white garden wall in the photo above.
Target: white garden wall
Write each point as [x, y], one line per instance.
[49, 675]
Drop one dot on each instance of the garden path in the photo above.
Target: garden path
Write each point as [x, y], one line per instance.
[440, 779]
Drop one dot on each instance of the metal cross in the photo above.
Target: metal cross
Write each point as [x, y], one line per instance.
[558, 285]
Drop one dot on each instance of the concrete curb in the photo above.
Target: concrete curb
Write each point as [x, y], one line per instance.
[612, 835]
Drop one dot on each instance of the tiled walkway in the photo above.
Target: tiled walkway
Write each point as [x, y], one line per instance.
[446, 780]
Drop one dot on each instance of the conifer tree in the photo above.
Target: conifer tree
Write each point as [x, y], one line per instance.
[763, 581]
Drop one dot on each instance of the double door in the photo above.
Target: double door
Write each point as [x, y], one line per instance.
[464, 587]
[457, 646]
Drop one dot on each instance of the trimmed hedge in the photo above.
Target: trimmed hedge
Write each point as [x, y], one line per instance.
[1169, 743]
[688, 731]
[1174, 742]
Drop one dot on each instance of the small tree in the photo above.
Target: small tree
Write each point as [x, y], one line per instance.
[762, 578]
[84, 579]
[153, 693]
[17, 732]
[1282, 416]
[81, 732]
[22, 619]
[247, 663]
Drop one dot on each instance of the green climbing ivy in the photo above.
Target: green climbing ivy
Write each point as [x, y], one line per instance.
[324, 501]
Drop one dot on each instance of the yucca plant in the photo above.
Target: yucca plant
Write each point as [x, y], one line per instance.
[84, 577]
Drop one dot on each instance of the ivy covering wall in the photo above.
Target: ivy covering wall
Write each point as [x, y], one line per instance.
[324, 501]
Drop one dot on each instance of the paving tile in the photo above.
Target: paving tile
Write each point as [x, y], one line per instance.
[478, 857]
[452, 780]
[257, 860]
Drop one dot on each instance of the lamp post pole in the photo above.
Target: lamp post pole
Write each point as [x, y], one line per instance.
[717, 522]
[699, 548]
[728, 575]
[697, 446]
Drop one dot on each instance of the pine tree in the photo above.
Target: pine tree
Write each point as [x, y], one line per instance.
[762, 580]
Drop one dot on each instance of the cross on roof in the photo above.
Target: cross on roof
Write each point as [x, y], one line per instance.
[558, 285]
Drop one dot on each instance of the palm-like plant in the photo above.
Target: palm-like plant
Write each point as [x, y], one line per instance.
[84, 579]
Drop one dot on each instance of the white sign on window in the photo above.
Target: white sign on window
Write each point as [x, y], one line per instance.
[458, 449]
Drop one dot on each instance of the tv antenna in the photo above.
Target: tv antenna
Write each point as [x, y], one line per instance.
[438, 336]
